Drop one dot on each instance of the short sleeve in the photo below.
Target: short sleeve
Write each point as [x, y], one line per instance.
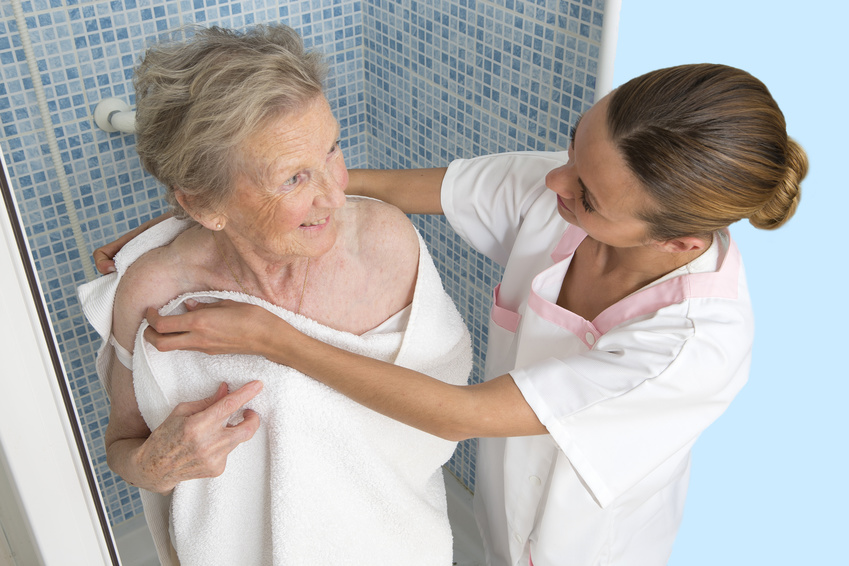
[641, 397]
[487, 198]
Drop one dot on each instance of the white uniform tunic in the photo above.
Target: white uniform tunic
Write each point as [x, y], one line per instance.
[623, 397]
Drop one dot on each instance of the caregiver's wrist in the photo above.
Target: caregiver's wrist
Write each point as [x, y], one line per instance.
[281, 343]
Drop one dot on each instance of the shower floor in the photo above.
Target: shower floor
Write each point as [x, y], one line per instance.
[136, 547]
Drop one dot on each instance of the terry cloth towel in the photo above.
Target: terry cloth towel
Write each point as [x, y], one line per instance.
[324, 480]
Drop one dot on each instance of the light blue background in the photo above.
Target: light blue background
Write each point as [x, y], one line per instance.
[769, 477]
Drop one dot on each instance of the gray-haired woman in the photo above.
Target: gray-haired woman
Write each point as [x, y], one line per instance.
[236, 126]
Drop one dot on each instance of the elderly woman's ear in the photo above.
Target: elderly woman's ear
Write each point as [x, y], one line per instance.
[208, 219]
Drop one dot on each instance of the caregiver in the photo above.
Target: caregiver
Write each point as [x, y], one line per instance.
[622, 327]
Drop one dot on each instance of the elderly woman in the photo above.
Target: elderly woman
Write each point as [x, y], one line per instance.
[237, 129]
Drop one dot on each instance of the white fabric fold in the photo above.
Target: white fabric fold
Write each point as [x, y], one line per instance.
[98, 297]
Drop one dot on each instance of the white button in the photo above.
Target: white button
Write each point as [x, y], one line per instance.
[535, 480]
[590, 338]
[518, 538]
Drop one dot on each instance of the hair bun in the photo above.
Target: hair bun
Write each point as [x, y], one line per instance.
[788, 191]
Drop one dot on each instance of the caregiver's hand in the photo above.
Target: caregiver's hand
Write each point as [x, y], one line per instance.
[103, 255]
[195, 440]
[225, 327]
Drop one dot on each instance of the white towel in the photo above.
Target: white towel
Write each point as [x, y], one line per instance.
[98, 297]
[324, 480]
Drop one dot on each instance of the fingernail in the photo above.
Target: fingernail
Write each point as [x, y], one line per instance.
[191, 303]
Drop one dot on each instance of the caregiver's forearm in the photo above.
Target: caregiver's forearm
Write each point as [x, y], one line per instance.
[494, 408]
[415, 191]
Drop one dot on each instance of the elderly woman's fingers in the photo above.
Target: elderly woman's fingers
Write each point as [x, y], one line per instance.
[246, 429]
[195, 441]
[167, 342]
[222, 410]
[162, 324]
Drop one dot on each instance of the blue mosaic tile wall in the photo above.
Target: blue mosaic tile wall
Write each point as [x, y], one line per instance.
[449, 79]
[85, 51]
[413, 84]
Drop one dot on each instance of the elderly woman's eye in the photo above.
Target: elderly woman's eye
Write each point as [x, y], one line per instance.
[291, 181]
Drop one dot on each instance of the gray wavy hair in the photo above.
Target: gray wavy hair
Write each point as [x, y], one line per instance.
[198, 99]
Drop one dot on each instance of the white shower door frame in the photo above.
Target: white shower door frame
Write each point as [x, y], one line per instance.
[48, 512]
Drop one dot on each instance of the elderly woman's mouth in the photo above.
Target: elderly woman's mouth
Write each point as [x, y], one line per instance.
[320, 222]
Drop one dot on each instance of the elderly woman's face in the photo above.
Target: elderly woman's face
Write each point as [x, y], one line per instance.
[286, 206]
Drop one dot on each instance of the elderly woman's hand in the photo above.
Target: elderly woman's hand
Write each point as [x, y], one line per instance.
[225, 327]
[193, 442]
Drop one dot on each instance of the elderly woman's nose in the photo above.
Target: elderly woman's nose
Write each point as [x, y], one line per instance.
[332, 191]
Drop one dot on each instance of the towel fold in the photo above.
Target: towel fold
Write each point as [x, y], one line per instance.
[324, 480]
[98, 297]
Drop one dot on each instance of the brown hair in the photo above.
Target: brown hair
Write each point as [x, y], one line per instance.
[710, 146]
[198, 100]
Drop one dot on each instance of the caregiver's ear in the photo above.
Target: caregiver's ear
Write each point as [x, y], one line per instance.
[683, 244]
[209, 220]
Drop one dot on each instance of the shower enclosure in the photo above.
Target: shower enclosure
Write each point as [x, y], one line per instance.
[413, 84]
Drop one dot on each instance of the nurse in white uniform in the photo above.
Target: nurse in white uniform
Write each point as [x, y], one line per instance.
[622, 327]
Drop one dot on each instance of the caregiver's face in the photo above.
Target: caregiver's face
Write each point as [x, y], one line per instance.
[286, 206]
[595, 189]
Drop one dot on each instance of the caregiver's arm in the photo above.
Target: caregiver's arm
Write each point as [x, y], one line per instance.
[415, 191]
[491, 409]
[495, 408]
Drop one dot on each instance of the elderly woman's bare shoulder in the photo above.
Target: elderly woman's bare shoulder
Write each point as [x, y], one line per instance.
[155, 278]
[382, 228]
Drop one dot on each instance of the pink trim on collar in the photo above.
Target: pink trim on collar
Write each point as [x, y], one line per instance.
[577, 325]
[568, 243]
[504, 318]
[722, 283]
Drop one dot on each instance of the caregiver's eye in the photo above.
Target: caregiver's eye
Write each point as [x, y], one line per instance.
[586, 204]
